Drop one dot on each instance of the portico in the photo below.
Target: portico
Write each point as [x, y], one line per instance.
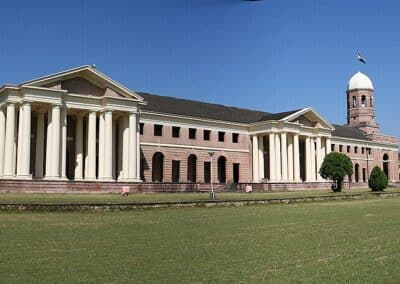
[53, 133]
[291, 149]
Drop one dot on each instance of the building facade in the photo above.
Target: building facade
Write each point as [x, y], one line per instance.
[79, 128]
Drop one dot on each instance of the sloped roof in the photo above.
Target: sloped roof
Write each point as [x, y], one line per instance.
[171, 105]
[279, 115]
[349, 132]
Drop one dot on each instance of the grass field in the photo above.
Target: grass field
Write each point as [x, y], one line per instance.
[162, 197]
[352, 241]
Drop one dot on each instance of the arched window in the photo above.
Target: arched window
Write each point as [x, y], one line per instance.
[363, 101]
[354, 101]
[222, 169]
[191, 168]
[371, 104]
[386, 165]
[157, 167]
[356, 172]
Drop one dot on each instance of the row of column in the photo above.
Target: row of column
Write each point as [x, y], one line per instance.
[51, 149]
[284, 157]
[128, 155]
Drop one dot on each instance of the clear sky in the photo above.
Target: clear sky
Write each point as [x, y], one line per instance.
[271, 55]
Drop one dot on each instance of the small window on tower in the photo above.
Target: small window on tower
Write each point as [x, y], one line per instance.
[370, 102]
[363, 101]
[354, 102]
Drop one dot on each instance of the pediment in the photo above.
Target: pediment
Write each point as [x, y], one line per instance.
[87, 81]
[308, 117]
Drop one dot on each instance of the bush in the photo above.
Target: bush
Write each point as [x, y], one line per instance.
[377, 180]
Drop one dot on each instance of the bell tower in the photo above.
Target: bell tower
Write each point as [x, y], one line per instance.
[360, 104]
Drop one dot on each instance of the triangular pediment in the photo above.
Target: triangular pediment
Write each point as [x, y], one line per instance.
[87, 81]
[308, 117]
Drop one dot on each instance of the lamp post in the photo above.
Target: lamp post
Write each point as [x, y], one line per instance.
[212, 193]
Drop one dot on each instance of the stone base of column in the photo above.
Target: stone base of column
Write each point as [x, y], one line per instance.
[54, 178]
[129, 180]
[25, 177]
[8, 177]
[106, 179]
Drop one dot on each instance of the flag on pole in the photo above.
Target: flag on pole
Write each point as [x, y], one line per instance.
[361, 58]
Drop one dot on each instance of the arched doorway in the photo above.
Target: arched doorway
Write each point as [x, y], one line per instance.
[157, 167]
[222, 169]
[356, 172]
[386, 165]
[191, 168]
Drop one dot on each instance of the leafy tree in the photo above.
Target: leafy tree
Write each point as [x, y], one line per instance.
[335, 167]
[377, 180]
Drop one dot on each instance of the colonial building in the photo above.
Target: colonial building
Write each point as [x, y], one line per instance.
[80, 130]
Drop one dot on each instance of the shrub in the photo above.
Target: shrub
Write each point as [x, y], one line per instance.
[377, 180]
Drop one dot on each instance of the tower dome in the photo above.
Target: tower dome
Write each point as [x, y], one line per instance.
[360, 81]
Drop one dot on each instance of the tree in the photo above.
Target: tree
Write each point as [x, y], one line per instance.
[335, 167]
[377, 180]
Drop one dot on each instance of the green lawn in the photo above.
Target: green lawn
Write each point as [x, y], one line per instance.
[161, 197]
[345, 242]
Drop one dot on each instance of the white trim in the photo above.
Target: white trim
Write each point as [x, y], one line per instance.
[193, 147]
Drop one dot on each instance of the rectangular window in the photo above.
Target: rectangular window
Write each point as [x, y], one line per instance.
[175, 131]
[141, 128]
[235, 137]
[369, 151]
[348, 149]
[364, 175]
[236, 172]
[332, 147]
[192, 133]
[355, 149]
[340, 148]
[207, 172]
[362, 150]
[175, 170]
[221, 136]
[206, 135]
[158, 130]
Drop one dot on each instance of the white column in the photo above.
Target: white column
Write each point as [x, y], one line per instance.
[278, 169]
[108, 146]
[261, 157]
[49, 143]
[101, 146]
[26, 142]
[63, 156]
[132, 146]
[56, 145]
[19, 138]
[313, 164]
[114, 149]
[307, 158]
[2, 139]
[9, 156]
[319, 157]
[272, 157]
[91, 146]
[255, 159]
[328, 145]
[138, 151]
[290, 157]
[296, 158]
[120, 148]
[79, 147]
[125, 149]
[39, 152]
[284, 156]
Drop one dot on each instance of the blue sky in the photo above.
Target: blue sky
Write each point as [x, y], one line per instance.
[271, 55]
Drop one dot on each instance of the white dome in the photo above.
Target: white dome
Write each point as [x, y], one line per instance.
[360, 81]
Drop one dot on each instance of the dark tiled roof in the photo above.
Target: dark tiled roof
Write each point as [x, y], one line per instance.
[191, 108]
[278, 115]
[349, 132]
